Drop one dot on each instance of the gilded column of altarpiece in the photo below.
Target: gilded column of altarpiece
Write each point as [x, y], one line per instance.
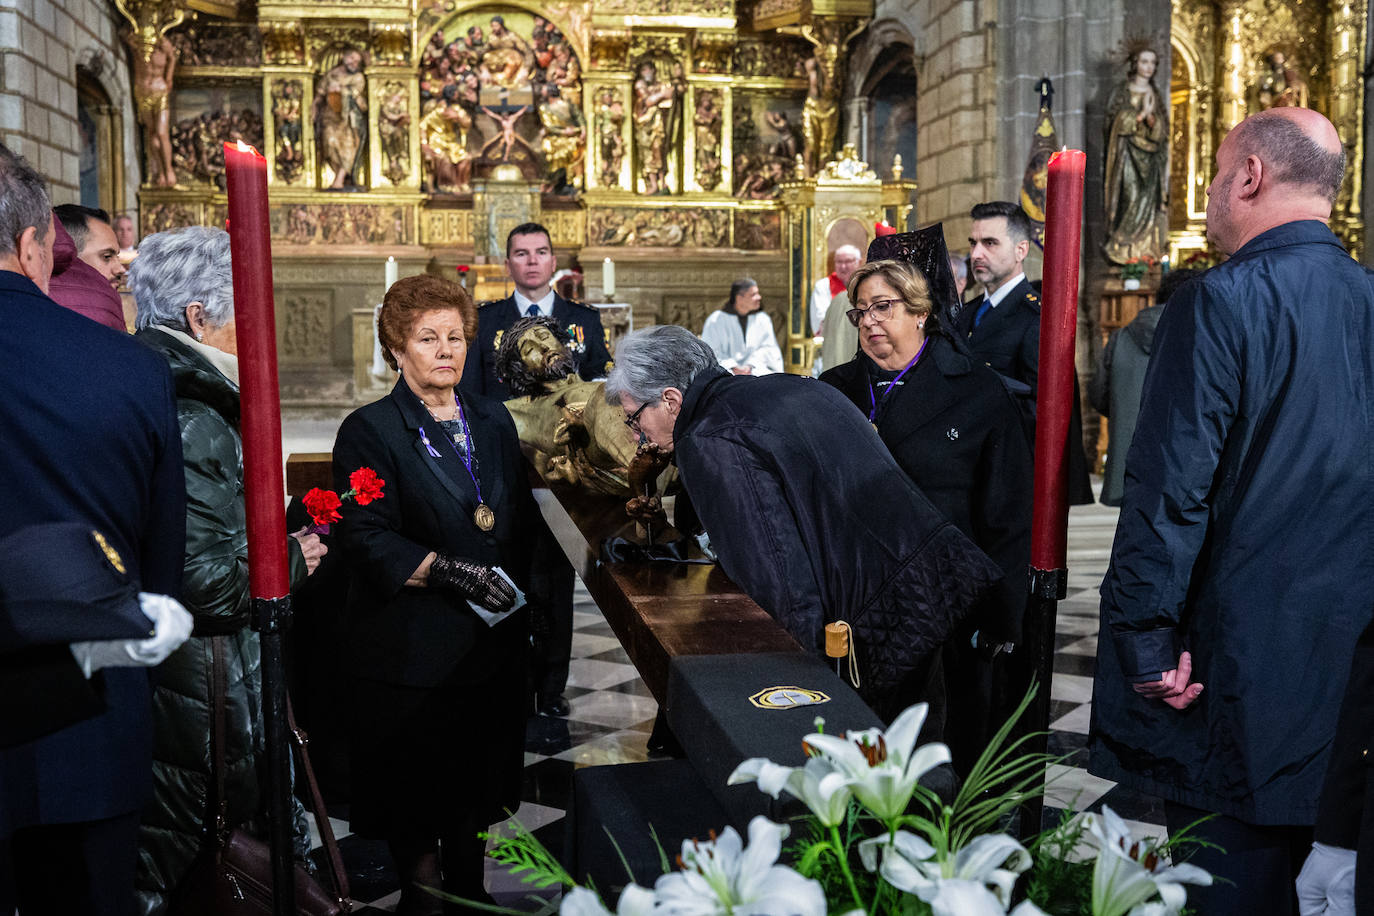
[1235, 57]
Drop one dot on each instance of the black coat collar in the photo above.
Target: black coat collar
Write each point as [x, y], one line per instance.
[692, 398]
[448, 468]
[1005, 312]
[932, 389]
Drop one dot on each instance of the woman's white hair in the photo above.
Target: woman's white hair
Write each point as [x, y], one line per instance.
[178, 267]
[652, 359]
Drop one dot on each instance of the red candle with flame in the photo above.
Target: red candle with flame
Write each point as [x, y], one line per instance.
[255, 329]
[1058, 323]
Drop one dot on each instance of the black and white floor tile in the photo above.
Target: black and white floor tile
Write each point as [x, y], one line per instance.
[613, 713]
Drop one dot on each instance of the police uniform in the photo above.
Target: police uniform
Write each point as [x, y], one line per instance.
[551, 598]
[496, 317]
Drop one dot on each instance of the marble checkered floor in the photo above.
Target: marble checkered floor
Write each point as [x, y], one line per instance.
[613, 712]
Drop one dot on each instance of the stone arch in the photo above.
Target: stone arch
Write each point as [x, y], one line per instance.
[881, 96]
[100, 125]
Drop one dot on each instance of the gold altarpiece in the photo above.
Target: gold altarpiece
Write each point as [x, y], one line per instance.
[1234, 57]
[669, 136]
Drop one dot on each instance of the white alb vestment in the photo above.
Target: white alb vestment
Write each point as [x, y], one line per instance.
[758, 349]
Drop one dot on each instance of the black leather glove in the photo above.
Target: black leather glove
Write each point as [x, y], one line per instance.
[478, 584]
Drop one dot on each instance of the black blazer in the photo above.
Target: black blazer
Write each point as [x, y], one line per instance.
[957, 433]
[1008, 340]
[418, 636]
[88, 433]
[495, 318]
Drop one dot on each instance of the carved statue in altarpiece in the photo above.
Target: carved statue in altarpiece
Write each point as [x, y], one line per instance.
[154, 60]
[340, 113]
[1137, 163]
[657, 115]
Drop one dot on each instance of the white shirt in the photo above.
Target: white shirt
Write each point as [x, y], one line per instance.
[523, 303]
[1002, 291]
[758, 350]
[820, 302]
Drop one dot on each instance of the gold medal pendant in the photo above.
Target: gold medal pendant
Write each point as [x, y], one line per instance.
[484, 517]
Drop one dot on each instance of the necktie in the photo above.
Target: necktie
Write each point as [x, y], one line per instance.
[532, 311]
[982, 312]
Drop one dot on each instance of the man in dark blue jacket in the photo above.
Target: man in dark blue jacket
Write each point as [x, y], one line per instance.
[1244, 558]
[89, 435]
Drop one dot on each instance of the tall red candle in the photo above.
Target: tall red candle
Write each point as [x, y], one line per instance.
[255, 329]
[1058, 322]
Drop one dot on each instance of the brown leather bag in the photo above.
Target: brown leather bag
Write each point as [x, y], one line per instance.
[233, 875]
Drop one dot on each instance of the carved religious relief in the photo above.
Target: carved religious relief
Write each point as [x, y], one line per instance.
[707, 124]
[695, 227]
[758, 230]
[154, 60]
[306, 325]
[501, 87]
[342, 224]
[777, 57]
[767, 143]
[393, 130]
[340, 116]
[657, 121]
[161, 217]
[712, 52]
[208, 43]
[667, 7]
[288, 104]
[283, 43]
[610, 136]
[225, 115]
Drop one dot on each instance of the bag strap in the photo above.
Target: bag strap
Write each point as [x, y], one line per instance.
[338, 876]
[217, 815]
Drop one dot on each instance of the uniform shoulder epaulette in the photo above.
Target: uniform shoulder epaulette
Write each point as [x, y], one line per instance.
[1032, 301]
[486, 302]
[581, 305]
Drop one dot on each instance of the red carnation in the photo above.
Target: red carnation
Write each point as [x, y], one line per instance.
[366, 485]
[462, 268]
[323, 506]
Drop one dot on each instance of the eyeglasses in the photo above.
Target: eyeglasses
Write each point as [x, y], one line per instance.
[880, 309]
[632, 421]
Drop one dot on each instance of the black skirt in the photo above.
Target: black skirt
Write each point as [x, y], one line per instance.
[429, 760]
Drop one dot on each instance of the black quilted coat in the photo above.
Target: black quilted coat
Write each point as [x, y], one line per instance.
[813, 517]
[215, 591]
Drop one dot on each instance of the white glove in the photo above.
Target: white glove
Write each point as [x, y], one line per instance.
[1326, 884]
[171, 627]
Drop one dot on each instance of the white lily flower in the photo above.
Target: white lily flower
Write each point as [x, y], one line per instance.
[634, 901]
[992, 862]
[882, 768]
[722, 878]
[823, 789]
[1128, 874]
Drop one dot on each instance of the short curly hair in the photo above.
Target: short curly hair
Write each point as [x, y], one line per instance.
[413, 296]
[512, 370]
[906, 279]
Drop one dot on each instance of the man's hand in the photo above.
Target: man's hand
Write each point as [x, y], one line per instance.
[1174, 687]
[1326, 885]
[312, 548]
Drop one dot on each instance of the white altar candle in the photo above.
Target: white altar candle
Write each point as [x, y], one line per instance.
[608, 278]
[390, 271]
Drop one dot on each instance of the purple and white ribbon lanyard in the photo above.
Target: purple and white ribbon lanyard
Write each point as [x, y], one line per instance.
[467, 452]
[874, 401]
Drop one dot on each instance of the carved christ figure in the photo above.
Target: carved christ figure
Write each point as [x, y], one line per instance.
[154, 61]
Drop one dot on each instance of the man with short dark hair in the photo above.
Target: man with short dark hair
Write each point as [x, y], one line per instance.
[90, 436]
[1244, 557]
[95, 240]
[530, 262]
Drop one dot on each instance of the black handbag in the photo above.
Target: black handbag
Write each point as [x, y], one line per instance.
[232, 876]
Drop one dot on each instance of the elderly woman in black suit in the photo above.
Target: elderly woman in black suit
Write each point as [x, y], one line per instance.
[438, 635]
[957, 432]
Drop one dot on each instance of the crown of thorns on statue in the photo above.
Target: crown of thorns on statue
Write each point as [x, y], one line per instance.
[520, 378]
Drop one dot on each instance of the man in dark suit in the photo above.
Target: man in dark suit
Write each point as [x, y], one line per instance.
[530, 262]
[90, 435]
[1002, 327]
